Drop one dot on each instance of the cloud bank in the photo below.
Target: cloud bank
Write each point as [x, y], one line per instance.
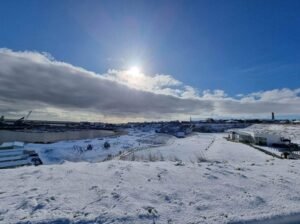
[58, 90]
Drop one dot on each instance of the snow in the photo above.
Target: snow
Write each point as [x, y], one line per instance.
[226, 151]
[184, 149]
[201, 146]
[123, 192]
[230, 183]
[14, 144]
[70, 150]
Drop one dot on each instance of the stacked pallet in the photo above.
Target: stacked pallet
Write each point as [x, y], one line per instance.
[13, 155]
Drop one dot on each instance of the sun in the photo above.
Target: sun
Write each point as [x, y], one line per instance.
[134, 76]
[134, 71]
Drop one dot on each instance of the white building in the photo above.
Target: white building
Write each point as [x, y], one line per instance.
[258, 137]
[240, 136]
[12, 145]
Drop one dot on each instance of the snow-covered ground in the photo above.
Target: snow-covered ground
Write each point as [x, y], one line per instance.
[198, 147]
[75, 151]
[231, 182]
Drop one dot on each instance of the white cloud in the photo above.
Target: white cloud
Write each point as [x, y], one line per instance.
[282, 95]
[158, 83]
[58, 90]
[214, 95]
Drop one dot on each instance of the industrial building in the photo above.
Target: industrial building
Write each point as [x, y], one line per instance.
[259, 138]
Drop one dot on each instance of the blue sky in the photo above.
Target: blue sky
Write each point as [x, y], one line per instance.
[238, 46]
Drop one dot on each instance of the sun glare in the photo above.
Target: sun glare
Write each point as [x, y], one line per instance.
[134, 71]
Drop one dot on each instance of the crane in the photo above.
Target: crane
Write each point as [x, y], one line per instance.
[27, 116]
[22, 119]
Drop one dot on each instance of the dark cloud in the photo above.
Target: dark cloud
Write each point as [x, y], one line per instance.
[35, 81]
[27, 78]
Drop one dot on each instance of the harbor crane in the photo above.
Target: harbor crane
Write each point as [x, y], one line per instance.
[27, 116]
[22, 119]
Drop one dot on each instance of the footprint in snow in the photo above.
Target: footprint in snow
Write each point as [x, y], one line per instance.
[110, 166]
[243, 176]
[3, 211]
[115, 196]
[201, 207]
[52, 198]
[32, 205]
[30, 190]
[212, 177]
[148, 212]
[118, 173]
[93, 187]
[257, 201]
[127, 168]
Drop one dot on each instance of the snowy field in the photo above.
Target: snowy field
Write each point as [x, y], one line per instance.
[217, 182]
[191, 149]
[75, 151]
